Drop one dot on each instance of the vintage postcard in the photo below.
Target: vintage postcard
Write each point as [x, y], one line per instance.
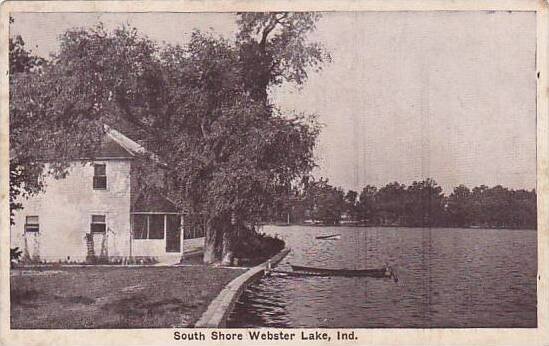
[198, 172]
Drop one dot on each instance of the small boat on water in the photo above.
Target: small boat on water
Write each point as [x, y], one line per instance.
[329, 237]
[292, 273]
[378, 273]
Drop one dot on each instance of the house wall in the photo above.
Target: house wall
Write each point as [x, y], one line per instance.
[150, 247]
[157, 247]
[65, 209]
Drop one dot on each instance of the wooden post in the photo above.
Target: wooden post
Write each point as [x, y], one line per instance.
[165, 232]
[131, 233]
[182, 236]
[268, 268]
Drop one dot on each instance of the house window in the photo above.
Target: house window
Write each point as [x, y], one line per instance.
[31, 224]
[99, 177]
[148, 226]
[98, 224]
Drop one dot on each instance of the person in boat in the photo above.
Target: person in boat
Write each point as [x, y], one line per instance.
[388, 270]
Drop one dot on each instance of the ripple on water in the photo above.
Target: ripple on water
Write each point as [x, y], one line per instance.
[447, 278]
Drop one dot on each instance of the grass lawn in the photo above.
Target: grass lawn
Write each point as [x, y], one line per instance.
[114, 297]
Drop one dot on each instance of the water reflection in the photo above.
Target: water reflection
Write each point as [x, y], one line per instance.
[447, 278]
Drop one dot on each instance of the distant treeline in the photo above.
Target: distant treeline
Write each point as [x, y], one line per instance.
[421, 204]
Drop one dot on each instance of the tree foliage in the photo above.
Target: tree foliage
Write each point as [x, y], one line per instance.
[48, 123]
[421, 204]
[274, 49]
[228, 155]
[326, 203]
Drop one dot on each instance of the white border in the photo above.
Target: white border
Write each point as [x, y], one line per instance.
[536, 336]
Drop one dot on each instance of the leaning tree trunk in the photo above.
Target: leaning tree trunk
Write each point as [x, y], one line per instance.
[213, 241]
[229, 242]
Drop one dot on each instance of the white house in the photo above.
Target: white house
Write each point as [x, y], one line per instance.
[99, 211]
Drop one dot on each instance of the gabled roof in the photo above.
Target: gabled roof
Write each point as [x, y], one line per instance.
[111, 148]
[153, 201]
[128, 145]
[114, 145]
[122, 143]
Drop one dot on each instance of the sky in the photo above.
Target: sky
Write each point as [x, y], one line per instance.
[408, 95]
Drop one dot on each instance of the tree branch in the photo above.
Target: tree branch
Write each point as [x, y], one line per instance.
[127, 113]
[279, 20]
[270, 27]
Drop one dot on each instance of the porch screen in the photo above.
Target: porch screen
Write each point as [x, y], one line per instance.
[173, 233]
[140, 226]
[148, 226]
[156, 226]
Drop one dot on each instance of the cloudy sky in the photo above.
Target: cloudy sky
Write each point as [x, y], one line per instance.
[409, 95]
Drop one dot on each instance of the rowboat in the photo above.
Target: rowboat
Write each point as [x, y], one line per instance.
[329, 237]
[292, 273]
[378, 273]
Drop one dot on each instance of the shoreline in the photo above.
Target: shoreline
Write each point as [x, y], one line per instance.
[398, 226]
[220, 308]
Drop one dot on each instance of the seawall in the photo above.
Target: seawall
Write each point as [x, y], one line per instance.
[220, 308]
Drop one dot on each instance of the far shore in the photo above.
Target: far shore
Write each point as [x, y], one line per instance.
[393, 226]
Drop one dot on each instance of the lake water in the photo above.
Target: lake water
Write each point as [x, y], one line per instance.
[447, 278]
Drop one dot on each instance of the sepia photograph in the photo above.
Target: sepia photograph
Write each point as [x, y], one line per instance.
[272, 170]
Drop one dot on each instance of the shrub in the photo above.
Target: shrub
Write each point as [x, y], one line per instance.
[256, 246]
[15, 255]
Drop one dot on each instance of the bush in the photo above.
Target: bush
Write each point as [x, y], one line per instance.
[255, 246]
[15, 256]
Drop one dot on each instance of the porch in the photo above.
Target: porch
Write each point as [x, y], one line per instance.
[158, 230]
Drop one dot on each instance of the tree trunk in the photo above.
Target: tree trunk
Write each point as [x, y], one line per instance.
[210, 243]
[228, 247]
[213, 243]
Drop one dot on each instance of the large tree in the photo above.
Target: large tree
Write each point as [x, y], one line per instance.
[351, 204]
[391, 201]
[425, 204]
[367, 204]
[460, 207]
[326, 202]
[229, 155]
[274, 49]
